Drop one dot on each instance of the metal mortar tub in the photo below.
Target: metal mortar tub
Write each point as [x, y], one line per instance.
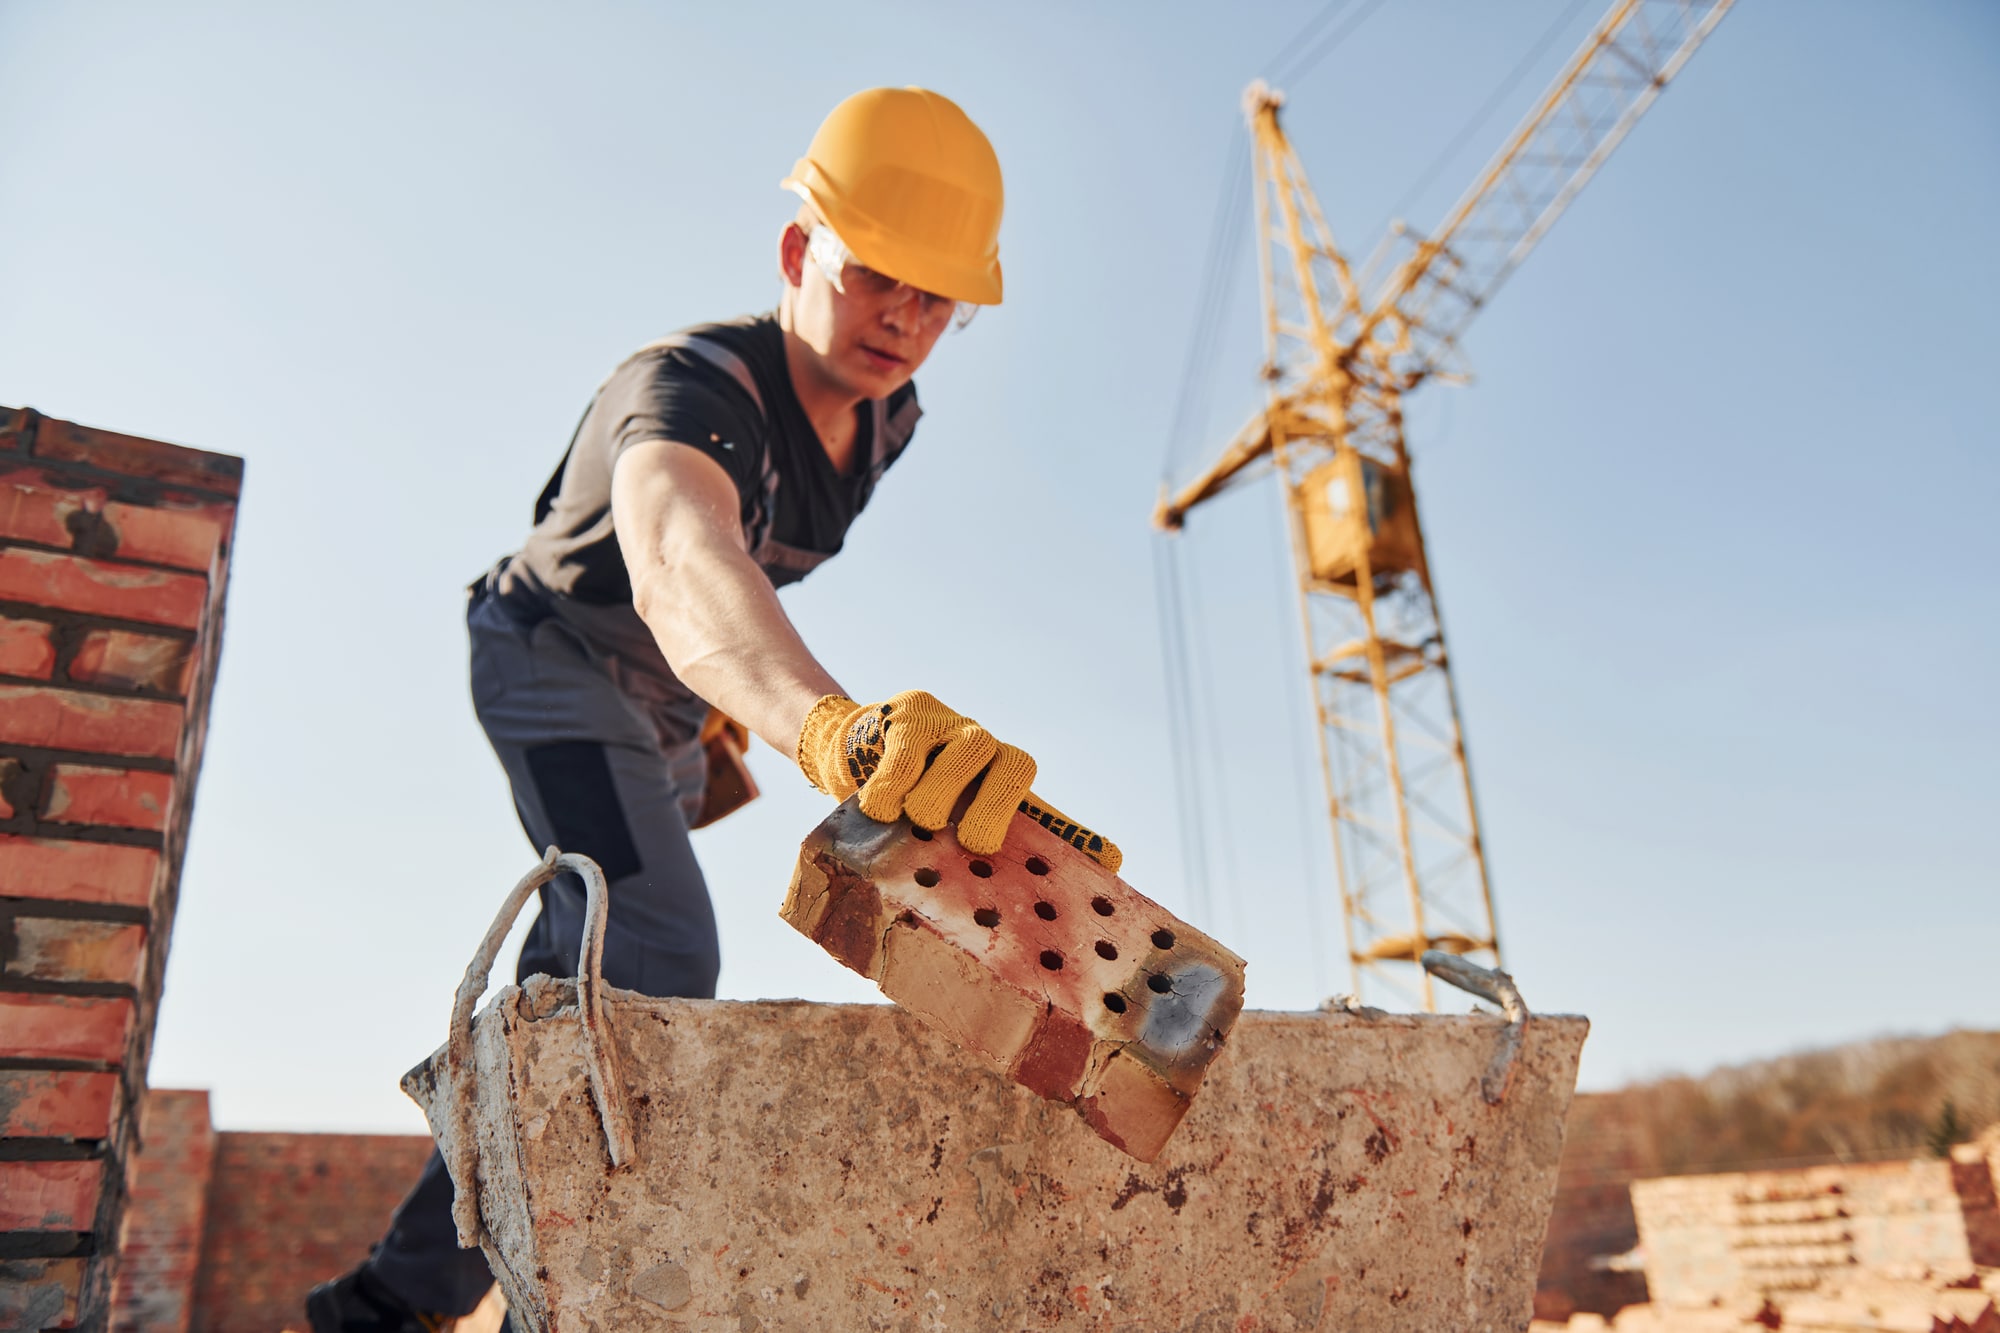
[694, 1166]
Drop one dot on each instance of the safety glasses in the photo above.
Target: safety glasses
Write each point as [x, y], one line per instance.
[851, 277]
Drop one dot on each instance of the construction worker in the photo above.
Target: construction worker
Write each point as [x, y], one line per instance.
[711, 468]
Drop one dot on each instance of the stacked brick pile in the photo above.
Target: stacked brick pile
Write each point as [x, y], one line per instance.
[1885, 1247]
[114, 557]
[1766, 1233]
[1864, 1303]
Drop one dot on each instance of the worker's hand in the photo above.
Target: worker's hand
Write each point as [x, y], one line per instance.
[911, 755]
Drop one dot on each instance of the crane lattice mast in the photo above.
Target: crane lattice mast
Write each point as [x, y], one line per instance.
[1341, 352]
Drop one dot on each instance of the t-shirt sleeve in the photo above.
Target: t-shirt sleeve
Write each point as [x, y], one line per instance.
[662, 398]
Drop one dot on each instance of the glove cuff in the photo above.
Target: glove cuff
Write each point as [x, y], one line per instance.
[812, 753]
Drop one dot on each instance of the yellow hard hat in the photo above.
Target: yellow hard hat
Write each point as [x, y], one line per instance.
[913, 187]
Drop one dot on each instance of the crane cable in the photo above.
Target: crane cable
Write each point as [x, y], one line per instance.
[1188, 725]
[1300, 64]
[1194, 727]
[1478, 119]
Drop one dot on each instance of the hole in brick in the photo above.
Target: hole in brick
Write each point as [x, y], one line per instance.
[921, 834]
[1052, 960]
[1159, 984]
[1046, 911]
[1102, 906]
[1037, 866]
[983, 869]
[1107, 951]
[1163, 939]
[1114, 1002]
[927, 877]
[987, 916]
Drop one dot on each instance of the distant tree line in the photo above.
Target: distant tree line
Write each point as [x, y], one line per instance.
[1867, 1101]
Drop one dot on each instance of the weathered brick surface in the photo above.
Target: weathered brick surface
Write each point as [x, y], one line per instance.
[67, 949]
[39, 1293]
[56, 1104]
[102, 587]
[26, 648]
[49, 1196]
[80, 872]
[160, 1246]
[114, 558]
[131, 456]
[123, 659]
[118, 797]
[59, 719]
[36, 506]
[180, 532]
[1036, 958]
[63, 1027]
[288, 1211]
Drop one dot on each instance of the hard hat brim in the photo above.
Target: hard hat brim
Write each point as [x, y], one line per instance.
[897, 256]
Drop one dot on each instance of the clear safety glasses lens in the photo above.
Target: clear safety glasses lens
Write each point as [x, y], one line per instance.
[850, 277]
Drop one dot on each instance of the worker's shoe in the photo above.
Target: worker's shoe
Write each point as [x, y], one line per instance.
[357, 1303]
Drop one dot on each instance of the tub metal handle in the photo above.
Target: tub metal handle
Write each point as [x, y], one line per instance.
[1496, 987]
[600, 1053]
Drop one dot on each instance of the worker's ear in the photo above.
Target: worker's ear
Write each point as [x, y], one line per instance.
[792, 254]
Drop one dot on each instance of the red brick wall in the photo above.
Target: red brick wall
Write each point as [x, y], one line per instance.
[287, 1211]
[114, 556]
[159, 1247]
[1604, 1151]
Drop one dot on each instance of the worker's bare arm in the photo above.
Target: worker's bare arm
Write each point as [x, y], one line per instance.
[712, 611]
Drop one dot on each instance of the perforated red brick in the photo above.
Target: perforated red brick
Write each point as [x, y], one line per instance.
[1036, 959]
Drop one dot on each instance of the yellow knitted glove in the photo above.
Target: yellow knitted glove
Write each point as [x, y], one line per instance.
[911, 755]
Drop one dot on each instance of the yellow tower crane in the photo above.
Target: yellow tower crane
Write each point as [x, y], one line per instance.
[1341, 353]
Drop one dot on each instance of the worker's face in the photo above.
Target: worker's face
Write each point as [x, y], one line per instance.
[868, 342]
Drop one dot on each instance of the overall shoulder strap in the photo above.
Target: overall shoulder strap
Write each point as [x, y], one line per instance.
[709, 350]
[717, 355]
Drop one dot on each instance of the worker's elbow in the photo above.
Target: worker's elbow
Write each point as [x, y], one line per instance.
[660, 596]
[676, 597]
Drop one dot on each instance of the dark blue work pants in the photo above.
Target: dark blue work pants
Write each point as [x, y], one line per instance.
[597, 767]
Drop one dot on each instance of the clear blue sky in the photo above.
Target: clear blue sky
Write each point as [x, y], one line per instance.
[1713, 528]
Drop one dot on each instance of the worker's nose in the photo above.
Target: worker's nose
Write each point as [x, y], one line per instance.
[901, 314]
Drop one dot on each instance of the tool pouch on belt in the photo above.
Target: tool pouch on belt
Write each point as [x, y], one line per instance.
[724, 742]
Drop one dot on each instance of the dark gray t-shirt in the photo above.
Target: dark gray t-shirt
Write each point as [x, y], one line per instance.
[723, 389]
